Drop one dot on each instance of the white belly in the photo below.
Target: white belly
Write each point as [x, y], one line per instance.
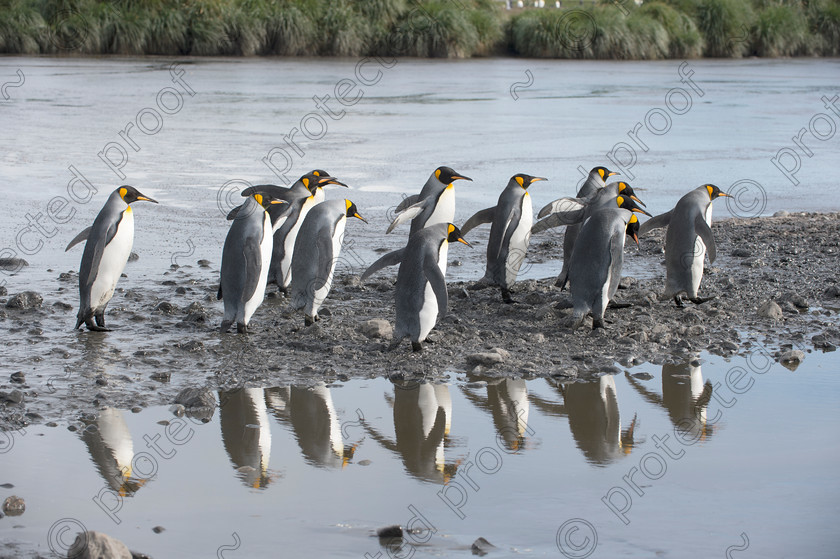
[444, 211]
[699, 257]
[266, 246]
[321, 294]
[519, 240]
[429, 310]
[286, 264]
[112, 264]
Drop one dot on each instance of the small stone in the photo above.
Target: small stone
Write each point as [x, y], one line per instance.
[364, 462]
[741, 252]
[781, 213]
[203, 263]
[696, 330]
[25, 300]
[833, 291]
[538, 338]
[166, 308]
[770, 309]
[18, 377]
[377, 328]
[161, 376]
[534, 298]
[730, 346]
[177, 410]
[95, 545]
[626, 282]
[191, 346]
[485, 358]
[12, 265]
[642, 376]
[14, 506]
[791, 359]
[482, 547]
[639, 336]
[394, 531]
[101, 381]
[133, 257]
[14, 397]
[753, 263]
[158, 529]
[196, 398]
[795, 299]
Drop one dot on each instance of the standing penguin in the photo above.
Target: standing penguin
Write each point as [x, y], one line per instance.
[510, 232]
[108, 246]
[317, 248]
[435, 203]
[595, 181]
[292, 193]
[597, 260]
[245, 261]
[421, 288]
[688, 237]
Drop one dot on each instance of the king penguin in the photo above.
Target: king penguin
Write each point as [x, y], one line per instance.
[595, 181]
[108, 246]
[290, 194]
[435, 203]
[421, 287]
[317, 249]
[596, 262]
[245, 260]
[510, 232]
[688, 237]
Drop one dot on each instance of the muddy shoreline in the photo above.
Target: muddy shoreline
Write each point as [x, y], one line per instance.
[166, 335]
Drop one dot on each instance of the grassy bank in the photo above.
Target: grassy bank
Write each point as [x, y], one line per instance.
[426, 28]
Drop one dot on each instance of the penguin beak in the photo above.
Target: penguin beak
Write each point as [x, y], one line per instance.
[535, 179]
[357, 216]
[461, 240]
[147, 199]
[330, 180]
[640, 210]
[278, 202]
[639, 201]
[724, 194]
[456, 177]
[611, 173]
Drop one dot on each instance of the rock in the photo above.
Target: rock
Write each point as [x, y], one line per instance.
[177, 410]
[18, 377]
[538, 338]
[626, 282]
[485, 358]
[96, 545]
[3, 291]
[642, 376]
[196, 398]
[730, 346]
[795, 299]
[25, 300]
[12, 264]
[14, 397]
[639, 336]
[781, 213]
[133, 257]
[191, 346]
[167, 308]
[203, 263]
[741, 252]
[791, 359]
[377, 328]
[534, 298]
[482, 547]
[161, 376]
[158, 529]
[696, 330]
[14, 506]
[770, 309]
[394, 531]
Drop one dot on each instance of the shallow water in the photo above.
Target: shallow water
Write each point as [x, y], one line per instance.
[486, 118]
[320, 468]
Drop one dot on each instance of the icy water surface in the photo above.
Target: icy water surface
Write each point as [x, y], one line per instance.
[700, 459]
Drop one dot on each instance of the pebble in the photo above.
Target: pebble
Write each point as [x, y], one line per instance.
[196, 398]
[177, 410]
[25, 300]
[792, 356]
[94, 545]
[741, 252]
[833, 291]
[781, 213]
[377, 328]
[18, 377]
[161, 376]
[14, 397]
[482, 547]
[485, 358]
[394, 531]
[203, 263]
[770, 309]
[158, 529]
[14, 506]
[642, 376]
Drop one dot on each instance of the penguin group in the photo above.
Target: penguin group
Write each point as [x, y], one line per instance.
[292, 237]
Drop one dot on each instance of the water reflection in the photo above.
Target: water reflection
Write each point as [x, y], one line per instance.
[422, 421]
[684, 396]
[112, 450]
[507, 403]
[594, 420]
[311, 415]
[246, 434]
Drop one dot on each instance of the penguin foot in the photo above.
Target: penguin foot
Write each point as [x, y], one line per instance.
[416, 346]
[561, 282]
[241, 328]
[100, 319]
[598, 323]
[308, 321]
[95, 327]
[678, 301]
[506, 296]
[226, 324]
[700, 300]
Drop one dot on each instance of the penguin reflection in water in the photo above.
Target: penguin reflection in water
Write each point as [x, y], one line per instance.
[317, 247]
[595, 266]
[687, 239]
[108, 246]
[510, 232]
[421, 287]
[245, 260]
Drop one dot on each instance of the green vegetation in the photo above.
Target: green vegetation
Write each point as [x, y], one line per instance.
[426, 28]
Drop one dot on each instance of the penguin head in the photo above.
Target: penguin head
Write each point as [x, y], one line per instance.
[628, 204]
[352, 210]
[602, 172]
[454, 235]
[525, 180]
[319, 173]
[130, 194]
[625, 189]
[265, 200]
[313, 181]
[714, 191]
[447, 175]
[633, 228]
